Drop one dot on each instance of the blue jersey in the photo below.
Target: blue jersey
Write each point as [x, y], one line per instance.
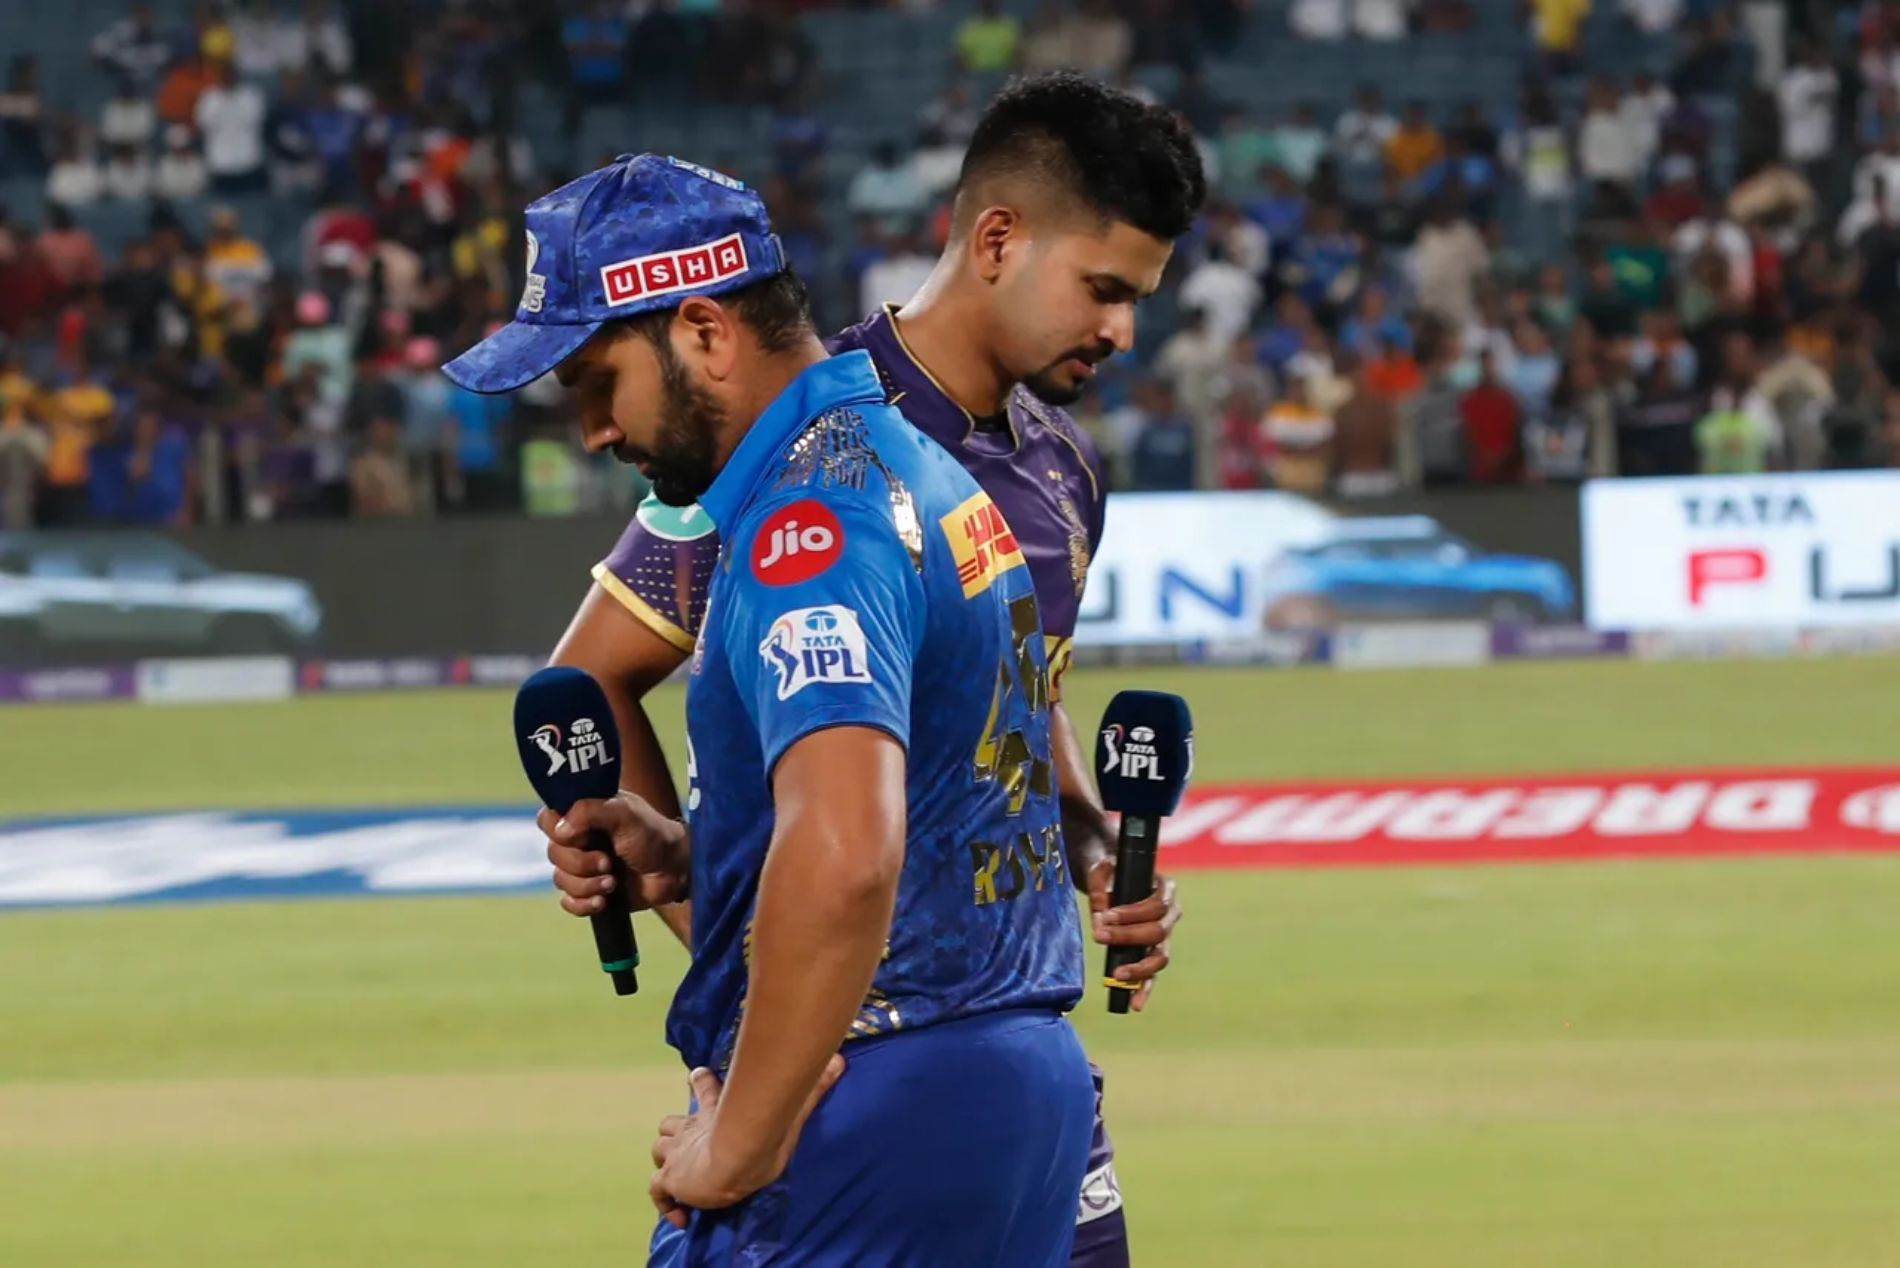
[866, 580]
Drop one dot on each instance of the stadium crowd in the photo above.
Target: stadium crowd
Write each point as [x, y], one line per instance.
[1378, 297]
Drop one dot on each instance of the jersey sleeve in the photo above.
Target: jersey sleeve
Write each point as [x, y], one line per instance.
[823, 622]
[661, 569]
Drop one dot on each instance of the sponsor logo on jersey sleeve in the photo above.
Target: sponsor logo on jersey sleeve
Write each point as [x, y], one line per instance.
[673, 523]
[796, 543]
[981, 542]
[812, 645]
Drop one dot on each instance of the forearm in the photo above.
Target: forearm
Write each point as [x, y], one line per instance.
[1086, 835]
[822, 923]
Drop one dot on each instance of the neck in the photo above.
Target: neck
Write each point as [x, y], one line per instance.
[935, 325]
[769, 377]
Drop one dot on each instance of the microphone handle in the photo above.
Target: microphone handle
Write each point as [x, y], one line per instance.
[1134, 881]
[613, 928]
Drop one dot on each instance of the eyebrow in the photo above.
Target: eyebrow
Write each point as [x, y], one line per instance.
[1121, 286]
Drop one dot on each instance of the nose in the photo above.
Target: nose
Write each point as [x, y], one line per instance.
[599, 436]
[1118, 327]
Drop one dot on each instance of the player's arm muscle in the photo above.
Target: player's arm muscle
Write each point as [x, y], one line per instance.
[823, 918]
[629, 659]
[1085, 830]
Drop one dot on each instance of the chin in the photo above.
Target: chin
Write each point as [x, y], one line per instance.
[675, 492]
[1052, 391]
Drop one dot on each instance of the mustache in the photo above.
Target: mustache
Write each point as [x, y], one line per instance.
[1090, 354]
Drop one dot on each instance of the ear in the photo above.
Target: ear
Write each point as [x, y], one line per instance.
[996, 232]
[707, 334]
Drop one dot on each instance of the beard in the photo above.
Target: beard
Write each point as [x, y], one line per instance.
[681, 462]
[1050, 390]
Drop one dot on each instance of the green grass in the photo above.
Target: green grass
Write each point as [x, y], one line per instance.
[1661, 1063]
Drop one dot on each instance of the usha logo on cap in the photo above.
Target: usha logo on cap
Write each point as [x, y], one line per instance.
[682, 270]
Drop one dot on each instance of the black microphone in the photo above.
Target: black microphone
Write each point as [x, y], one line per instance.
[1144, 754]
[570, 748]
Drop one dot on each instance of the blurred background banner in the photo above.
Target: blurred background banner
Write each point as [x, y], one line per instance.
[1808, 550]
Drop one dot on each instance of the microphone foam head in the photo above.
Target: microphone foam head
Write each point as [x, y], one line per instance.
[1144, 752]
[569, 744]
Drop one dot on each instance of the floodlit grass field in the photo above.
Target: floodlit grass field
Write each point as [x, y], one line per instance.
[1651, 1063]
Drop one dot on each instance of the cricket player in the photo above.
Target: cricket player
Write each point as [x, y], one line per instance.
[1066, 210]
[874, 857]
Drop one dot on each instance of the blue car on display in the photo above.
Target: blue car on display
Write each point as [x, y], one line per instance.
[1409, 567]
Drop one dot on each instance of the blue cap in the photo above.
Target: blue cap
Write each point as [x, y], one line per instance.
[640, 234]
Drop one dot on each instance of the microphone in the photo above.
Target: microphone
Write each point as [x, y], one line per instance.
[570, 749]
[1144, 754]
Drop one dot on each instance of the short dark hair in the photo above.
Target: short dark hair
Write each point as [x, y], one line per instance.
[1120, 157]
[778, 310]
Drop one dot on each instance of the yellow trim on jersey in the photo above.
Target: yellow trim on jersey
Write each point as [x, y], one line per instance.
[1059, 651]
[647, 614]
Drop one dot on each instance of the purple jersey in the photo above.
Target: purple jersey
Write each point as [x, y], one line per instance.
[1041, 469]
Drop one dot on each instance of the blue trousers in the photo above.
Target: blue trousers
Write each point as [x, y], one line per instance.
[959, 1145]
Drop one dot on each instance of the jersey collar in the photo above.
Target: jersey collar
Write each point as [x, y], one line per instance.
[849, 378]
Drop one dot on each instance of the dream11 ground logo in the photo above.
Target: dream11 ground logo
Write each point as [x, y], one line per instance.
[585, 748]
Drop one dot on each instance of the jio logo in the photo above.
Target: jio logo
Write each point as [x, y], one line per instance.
[797, 543]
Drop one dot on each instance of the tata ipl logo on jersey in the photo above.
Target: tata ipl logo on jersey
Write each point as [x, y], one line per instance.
[583, 749]
[812, 645]
[1131, 753]
[981, 542]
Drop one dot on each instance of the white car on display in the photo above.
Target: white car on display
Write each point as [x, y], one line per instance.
[83, 594]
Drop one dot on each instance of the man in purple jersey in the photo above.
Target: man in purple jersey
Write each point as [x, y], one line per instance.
[1067, 207]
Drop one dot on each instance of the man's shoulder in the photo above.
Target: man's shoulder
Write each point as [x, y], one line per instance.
[1042, 419]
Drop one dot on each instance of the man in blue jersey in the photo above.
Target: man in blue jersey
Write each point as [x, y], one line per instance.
[1069, 200]
[874, 857]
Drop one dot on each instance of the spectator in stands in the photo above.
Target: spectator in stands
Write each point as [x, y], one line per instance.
[1809, 95]
[126, 175]
[22, 123]
[1245, 242]
[319, 42]
[1740, 434]
[1678, 198]
[1450, 258]
[1226, 293]
[1393, 372]
[76, 408]
[1318, 19]
[1415, 146]
[157, 476]
[180, 174]
[596, 42]
[135, 48]
[1492, 423]
[1102, 43]
[1161, 456]
[987, 39]
[183, 85]
[1653, 17]
[1194, 101]
[1241, 458]
[1646, 104]
[1299, 143]
[1365, 438]
[379, 475]
[1705, 65]
[1299, 438]
[886, 188]
[898, 275]
[235, 264]
[1558, 26]
[1281, 211]
[1327, 262]
[1244, 150]
[1190, 361]
[74, 180]
[70, 252]
[1609, 153]
[1444, 17]
[128, 118]
[294, 166]
[1534, 369]
[23, 448]
[230, 115]
[1361, 132]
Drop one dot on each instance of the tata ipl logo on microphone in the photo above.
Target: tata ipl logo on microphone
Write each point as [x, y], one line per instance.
[1130, 752]
[584, 748]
